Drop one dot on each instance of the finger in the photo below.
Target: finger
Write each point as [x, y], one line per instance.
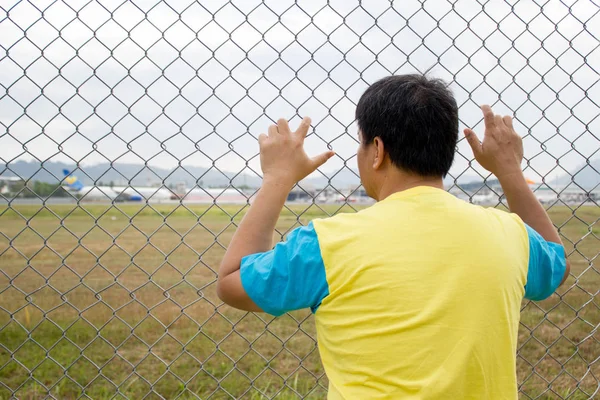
[304, 127]
[273, 130]
[262, 138]
[321, 159]
[283, 126]
[473, 141]
[488, 116]
[498, 121]
[508, 121]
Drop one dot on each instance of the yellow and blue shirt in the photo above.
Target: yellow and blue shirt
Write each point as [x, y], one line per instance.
[416, 297]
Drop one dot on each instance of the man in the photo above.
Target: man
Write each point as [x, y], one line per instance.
[418, 296]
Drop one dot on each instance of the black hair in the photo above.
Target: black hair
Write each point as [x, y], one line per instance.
[416, 118]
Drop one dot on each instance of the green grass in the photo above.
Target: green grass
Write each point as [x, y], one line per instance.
[140, 312]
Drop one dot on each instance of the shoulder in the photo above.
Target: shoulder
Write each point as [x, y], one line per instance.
[495, 215]
[495, 225]
[340, 230]
[507, 218]
[342, 222]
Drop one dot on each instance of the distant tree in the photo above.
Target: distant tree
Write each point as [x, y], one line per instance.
[40, 188]
[111, 184]
[15, 189]
[27, 191]
[61, 192]
[44, 190]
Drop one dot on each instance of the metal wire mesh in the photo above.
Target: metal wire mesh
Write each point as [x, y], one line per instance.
[113, 300]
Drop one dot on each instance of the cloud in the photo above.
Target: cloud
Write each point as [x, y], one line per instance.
[169, 81]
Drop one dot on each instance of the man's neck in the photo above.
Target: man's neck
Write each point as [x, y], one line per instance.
[398, 181]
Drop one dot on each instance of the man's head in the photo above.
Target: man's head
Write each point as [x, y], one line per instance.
[407, 123]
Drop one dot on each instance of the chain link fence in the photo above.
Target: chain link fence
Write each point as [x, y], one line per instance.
[152, 109]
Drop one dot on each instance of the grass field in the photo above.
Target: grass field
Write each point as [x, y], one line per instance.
[120, 303]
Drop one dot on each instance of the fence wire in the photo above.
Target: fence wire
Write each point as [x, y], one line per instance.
[107, 271]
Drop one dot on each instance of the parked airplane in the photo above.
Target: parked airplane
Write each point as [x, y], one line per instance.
[485, 198]
[212, 195]
[115, 193]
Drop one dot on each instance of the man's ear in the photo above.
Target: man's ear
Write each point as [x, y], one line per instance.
[379, 153]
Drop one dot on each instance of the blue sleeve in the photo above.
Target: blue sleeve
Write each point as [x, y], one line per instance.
[289, 277]
[547, 265]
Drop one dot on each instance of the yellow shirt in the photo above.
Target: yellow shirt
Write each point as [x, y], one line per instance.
[416, 297]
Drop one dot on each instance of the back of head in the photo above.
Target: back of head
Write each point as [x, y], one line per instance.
[416, 118]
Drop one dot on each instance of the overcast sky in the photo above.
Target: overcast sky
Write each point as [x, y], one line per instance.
[159, 82]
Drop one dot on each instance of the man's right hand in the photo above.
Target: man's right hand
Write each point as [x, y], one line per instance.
[501, 152]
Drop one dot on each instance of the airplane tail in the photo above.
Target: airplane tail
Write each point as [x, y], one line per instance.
[72, 182]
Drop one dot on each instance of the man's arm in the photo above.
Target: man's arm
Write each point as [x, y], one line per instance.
[501, 153]
[283, 162]
[254, 235]
[523, 202]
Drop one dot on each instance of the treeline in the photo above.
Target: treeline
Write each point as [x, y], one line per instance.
[34, 189]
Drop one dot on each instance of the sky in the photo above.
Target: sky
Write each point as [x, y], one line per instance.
[194, 83]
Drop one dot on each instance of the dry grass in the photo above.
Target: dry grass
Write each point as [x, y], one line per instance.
[89, 300]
